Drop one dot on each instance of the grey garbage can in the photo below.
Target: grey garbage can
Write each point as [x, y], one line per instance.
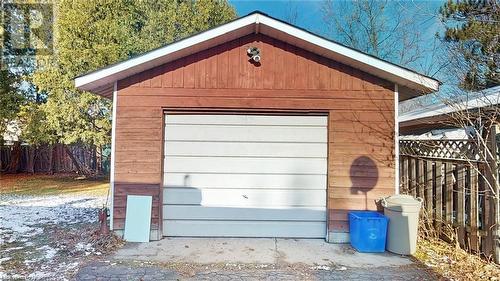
[402, 232]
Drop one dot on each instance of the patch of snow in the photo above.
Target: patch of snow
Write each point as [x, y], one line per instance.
[321, 267]
[22, 217]
[49, 251]
[83, 247]
[13, 249]
[26, 221]
[39, 275]
[27, 262]
[72, 265]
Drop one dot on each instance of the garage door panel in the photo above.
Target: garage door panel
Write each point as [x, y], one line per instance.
[229, 165]
[292, 229]
[210, 119]
[260, 181]
[245, 175]
[245, 133]
[255, 149]
[178, 212]
[244, 197]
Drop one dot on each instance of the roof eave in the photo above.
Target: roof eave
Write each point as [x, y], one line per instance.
[258, 23]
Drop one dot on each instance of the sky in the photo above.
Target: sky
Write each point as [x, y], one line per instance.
[309, 11]
[425, 15]
[310, 16]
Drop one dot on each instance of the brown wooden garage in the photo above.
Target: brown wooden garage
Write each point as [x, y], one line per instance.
[211, 74]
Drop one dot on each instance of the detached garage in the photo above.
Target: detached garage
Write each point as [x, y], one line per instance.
[254, 128]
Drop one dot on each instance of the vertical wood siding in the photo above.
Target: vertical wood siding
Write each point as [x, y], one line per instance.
[360, 108]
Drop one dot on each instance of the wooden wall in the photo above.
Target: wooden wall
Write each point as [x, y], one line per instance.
[360, 108]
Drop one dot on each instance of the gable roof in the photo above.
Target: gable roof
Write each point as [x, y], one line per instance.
[101, 81]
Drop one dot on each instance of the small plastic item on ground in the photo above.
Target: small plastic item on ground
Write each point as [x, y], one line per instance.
[402, 211]
[368, 231]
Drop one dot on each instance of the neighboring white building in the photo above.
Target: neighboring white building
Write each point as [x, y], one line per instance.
[429, 122]
[12, 134]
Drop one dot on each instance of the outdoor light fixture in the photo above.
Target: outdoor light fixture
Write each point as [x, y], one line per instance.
[254, 54]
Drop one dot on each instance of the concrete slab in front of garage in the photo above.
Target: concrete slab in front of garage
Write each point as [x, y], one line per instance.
[314, 252]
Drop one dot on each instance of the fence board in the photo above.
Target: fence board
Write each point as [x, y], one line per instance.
[486, 223]
[460, 208]
[55, 159]
[421, 178]
[404, 180]
[412, 177]
[448, 192]
[429, 197]
[438, 196]
[474, 214]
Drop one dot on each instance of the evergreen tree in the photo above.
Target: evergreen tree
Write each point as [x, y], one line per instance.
[90, 34]
[473, 32]
[10, 99]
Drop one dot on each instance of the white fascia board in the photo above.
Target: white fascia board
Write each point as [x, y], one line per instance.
[84, 82]
[352, 54]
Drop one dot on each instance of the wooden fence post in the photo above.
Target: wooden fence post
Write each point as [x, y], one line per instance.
[492, 198]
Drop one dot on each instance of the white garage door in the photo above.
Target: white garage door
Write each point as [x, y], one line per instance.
[245, 176]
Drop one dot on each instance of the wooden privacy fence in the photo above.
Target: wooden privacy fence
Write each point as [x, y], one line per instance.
[55, 158]
[452, 184]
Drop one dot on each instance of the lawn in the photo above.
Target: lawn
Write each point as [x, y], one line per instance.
[49, 226]
[26, 184]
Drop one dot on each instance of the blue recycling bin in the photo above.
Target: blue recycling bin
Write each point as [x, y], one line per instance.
[368, 231]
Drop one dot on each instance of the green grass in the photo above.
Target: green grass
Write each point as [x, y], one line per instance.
[25, 184]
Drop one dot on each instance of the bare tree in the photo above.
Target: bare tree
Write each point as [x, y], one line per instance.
[382, 28]
[477, 112]
[291, 13]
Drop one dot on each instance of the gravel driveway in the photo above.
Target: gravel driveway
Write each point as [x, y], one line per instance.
[142, 271]
[250, 259]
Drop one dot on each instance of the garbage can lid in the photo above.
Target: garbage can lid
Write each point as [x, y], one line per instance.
[402, 202]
